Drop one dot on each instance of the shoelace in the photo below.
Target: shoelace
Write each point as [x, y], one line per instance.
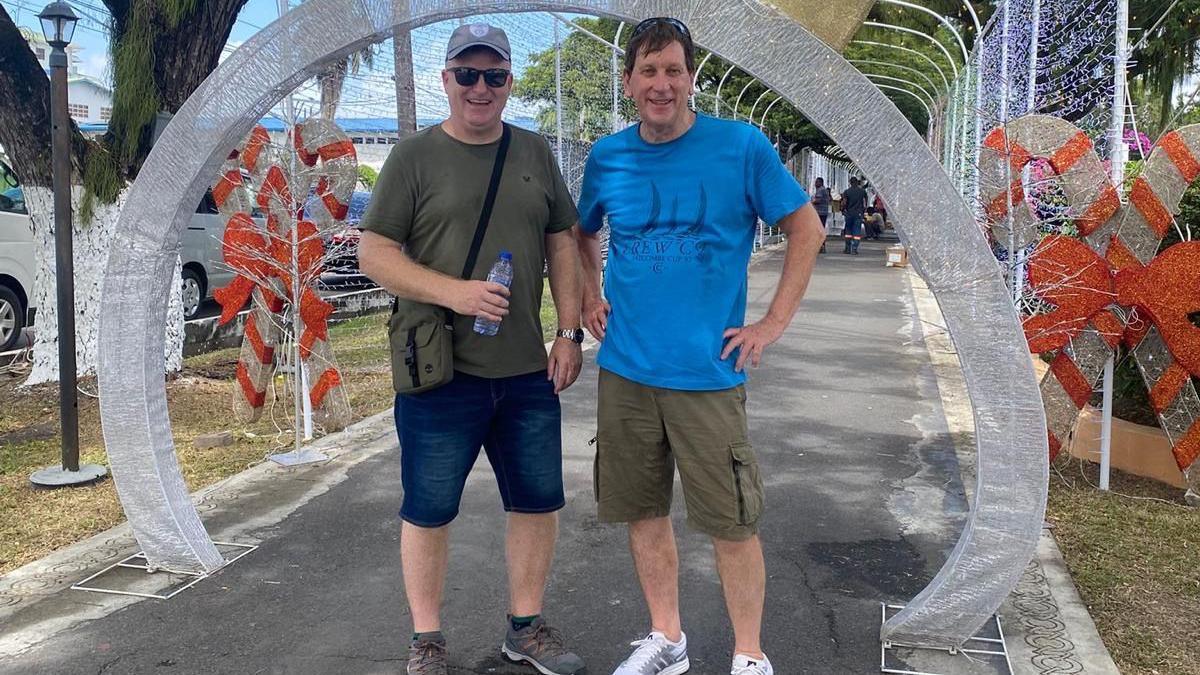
[547, 636]
[647, 649]
[430, 653]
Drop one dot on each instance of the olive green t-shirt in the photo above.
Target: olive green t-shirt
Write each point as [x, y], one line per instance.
[428, 197]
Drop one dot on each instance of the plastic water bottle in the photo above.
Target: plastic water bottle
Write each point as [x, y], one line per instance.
[502, 273]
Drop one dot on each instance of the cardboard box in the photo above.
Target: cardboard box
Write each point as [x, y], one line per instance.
[897, 256]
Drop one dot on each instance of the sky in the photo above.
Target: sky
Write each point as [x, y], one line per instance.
[369, 94]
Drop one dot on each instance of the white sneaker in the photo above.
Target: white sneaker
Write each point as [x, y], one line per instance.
[744, 665]
[656, 655]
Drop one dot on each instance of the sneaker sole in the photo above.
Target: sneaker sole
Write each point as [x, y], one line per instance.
[517, 657]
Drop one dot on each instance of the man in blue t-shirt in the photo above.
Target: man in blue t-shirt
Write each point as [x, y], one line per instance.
[682, 194]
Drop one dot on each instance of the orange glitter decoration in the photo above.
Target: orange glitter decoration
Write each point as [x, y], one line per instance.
[1099, 212]
[1169, 290]
[1168, 387]
[1183, 159]
[1071, 152]
[1065, 272]
[328, 380]
[253, 396]
[1071, 379]
[1054, 443]
[1150, 206]
[1187, 450]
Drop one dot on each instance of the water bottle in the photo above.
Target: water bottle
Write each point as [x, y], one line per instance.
[502, 273]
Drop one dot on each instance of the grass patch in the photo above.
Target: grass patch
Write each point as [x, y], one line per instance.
[549, 315]
[34, 522]
[1134, 554]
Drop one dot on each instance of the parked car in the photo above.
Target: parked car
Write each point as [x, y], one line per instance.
[341, 247]
[16, 264]
[204, 269]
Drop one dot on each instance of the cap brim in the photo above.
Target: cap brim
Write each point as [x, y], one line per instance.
[453, 53]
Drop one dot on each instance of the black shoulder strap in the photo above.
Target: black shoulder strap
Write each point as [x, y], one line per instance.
[485, 214]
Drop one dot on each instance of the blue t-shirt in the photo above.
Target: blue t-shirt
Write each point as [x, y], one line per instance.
[682, 217]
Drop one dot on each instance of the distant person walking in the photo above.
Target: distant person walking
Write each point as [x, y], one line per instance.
[822, 200]
[854, 206]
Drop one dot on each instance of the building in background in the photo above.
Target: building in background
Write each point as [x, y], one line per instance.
[90, 99]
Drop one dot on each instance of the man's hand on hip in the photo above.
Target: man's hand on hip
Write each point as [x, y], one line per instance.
[566, 360]
[479, 298]
[595, 316]
[752, 340]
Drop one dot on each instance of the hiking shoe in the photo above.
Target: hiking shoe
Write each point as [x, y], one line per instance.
[655, 655]
[427, 657]
[541, 646]
[744, 665]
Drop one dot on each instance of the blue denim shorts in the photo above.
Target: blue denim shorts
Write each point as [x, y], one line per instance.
[518, 422]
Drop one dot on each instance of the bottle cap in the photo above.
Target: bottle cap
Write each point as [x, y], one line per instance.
[505, 255]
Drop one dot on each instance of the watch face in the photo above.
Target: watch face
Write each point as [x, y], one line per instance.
[575, 335]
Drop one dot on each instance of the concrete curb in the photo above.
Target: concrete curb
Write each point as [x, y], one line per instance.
[1047, 627]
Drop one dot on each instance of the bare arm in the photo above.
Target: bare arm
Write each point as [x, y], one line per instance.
[565, 282]
[384, 261]
[804, 238]
[566, 356]
[595, 309]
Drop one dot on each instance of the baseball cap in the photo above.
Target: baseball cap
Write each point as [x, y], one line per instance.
[478, 35]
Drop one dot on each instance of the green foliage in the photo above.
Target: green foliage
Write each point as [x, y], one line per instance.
[367, 176]
[136, 98]
[1170, 54]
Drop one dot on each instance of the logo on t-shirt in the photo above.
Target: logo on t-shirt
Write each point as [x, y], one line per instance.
[674, 242]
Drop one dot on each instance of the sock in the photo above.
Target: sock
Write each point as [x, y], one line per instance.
[522, 622]
[433, 636]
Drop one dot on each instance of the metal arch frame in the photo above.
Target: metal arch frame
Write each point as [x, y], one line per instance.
[763, 122]
[942, 19]
[1003, 526]
[929, 98]
[738, 102]
[756, 102]
[912, 94]
[696, 79]
[895, 65]
[941, 73]
[913, 31]
[717, 108]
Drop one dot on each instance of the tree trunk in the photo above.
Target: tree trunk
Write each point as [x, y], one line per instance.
[331, 82]
[92, 241]
[406, 90]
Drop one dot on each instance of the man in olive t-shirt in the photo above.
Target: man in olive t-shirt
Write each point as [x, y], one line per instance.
[504, 394]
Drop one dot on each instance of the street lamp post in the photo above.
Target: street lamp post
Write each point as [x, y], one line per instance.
[58, 26]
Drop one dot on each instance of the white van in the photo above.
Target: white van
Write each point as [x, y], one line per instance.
[16, 265]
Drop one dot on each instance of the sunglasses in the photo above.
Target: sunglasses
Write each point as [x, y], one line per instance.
[492, 77]
[673, 23]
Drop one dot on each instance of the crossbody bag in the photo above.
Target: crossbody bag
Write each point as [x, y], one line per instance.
[422, 341]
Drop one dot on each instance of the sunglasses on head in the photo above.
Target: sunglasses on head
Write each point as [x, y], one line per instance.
[492, 77]
[673, 23]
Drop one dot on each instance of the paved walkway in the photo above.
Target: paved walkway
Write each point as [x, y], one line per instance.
[864, 500]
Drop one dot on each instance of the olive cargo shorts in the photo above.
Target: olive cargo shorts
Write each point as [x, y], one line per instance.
[643, 432]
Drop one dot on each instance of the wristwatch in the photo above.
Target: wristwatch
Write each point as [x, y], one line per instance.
[573, 334]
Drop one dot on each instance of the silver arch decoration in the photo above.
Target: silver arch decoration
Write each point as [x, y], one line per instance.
[946, 246]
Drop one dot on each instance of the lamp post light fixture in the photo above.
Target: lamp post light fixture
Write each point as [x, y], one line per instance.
[58, 26]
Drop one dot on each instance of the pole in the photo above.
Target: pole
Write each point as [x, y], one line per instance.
[616, 81]
[69, 473]
[1117, 152]
[558, 103]
[64, 266]
[1034, 37]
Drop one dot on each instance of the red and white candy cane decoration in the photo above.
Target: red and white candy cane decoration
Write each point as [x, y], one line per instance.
[281, 262]
[1005, 153]
[1117, 267]
[319, 140]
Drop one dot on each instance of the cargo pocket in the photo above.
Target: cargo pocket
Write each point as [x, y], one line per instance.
[747, 483]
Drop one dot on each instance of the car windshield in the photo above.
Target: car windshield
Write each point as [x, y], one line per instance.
[12, 200]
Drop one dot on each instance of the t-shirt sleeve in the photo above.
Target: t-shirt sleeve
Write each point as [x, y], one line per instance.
[591, 212]
[393, 201]
[774, 193]
[563, 215]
